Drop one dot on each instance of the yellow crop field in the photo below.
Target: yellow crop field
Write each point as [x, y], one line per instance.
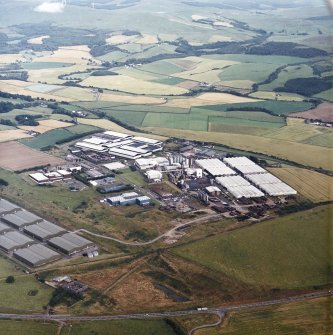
[38, 40]
[109, 125]
[207, 99]
[46, 125]
[12, 134]
[121, 39]
[76, 94]
[313, 185]
[10, 58]
[306, 154]
[16, 87]
[132, 85]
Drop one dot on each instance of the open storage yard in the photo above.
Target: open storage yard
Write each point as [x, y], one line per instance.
[17, 157]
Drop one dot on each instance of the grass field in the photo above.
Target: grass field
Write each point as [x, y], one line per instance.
[132, 85]
[120, 327]
[306, 154]
[15, 297]
[26, 327]
[44, 65]
[52, 137]
[6, 268]
[288, 252]
[312, 185]
[300, 318]
[284, 96]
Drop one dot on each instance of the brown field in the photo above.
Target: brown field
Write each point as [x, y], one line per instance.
[121, 39]
[12, 134]
[314, 186]
[46, 125]
[188, 84]
[16, 157]
[323, 112]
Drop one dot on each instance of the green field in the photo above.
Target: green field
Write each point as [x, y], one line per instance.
[313, 317]
[290, 72]
[6, 268]
[131, 118]
[120, 327]
[51, 137]
[288, 252]
[16, 296]
[27, 327]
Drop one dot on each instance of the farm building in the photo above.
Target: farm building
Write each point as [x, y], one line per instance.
[44, 230]
[215, 167]
[7, 207]
[39, 178]
[14, 240]
[4, 228]
[21, 219]
[70, 243]
[36, 255]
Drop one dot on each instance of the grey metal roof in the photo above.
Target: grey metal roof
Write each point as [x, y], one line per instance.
[70, 242]
[4, 228]
[44, 229]
[21, 218]
[14, 239]
[6, 206]
[36, 254]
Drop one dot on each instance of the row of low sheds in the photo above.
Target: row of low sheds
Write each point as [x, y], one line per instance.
[243, 178]
[121, 145]
[33, 240]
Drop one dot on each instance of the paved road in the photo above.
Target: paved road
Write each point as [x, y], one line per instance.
[166, 234]
[208, 325]
[218, 311]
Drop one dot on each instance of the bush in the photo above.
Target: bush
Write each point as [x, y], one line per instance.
[10, 280]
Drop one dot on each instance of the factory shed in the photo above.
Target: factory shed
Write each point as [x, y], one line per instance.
[116, 134]
[39, 178]
[21, 219]
[4, 228]
[7, 207]
[115, 166]
[245, 192]
[95, 140]
[44, 230]
[90, 146]
[143, 201]
[238, 161]
[124, 153]
[232, 181]
[36, 255]
[146, 140]
[70, 243]
[278, 189]
[250, 169]
[215, 167]
[14, 240]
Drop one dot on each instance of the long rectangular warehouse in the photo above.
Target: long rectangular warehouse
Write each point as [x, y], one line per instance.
[215, 167]
[232, 181]
[7, 207]
[21, 219]
[4, 228]
[36, 255]
[245, 192]
[70, 243]
[14, 240]
[271, 184]
[44, 230]
[244, 165]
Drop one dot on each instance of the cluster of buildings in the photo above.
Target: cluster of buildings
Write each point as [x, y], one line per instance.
[129, 198]
[120, 145]
[35, 241]
[49, 177]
